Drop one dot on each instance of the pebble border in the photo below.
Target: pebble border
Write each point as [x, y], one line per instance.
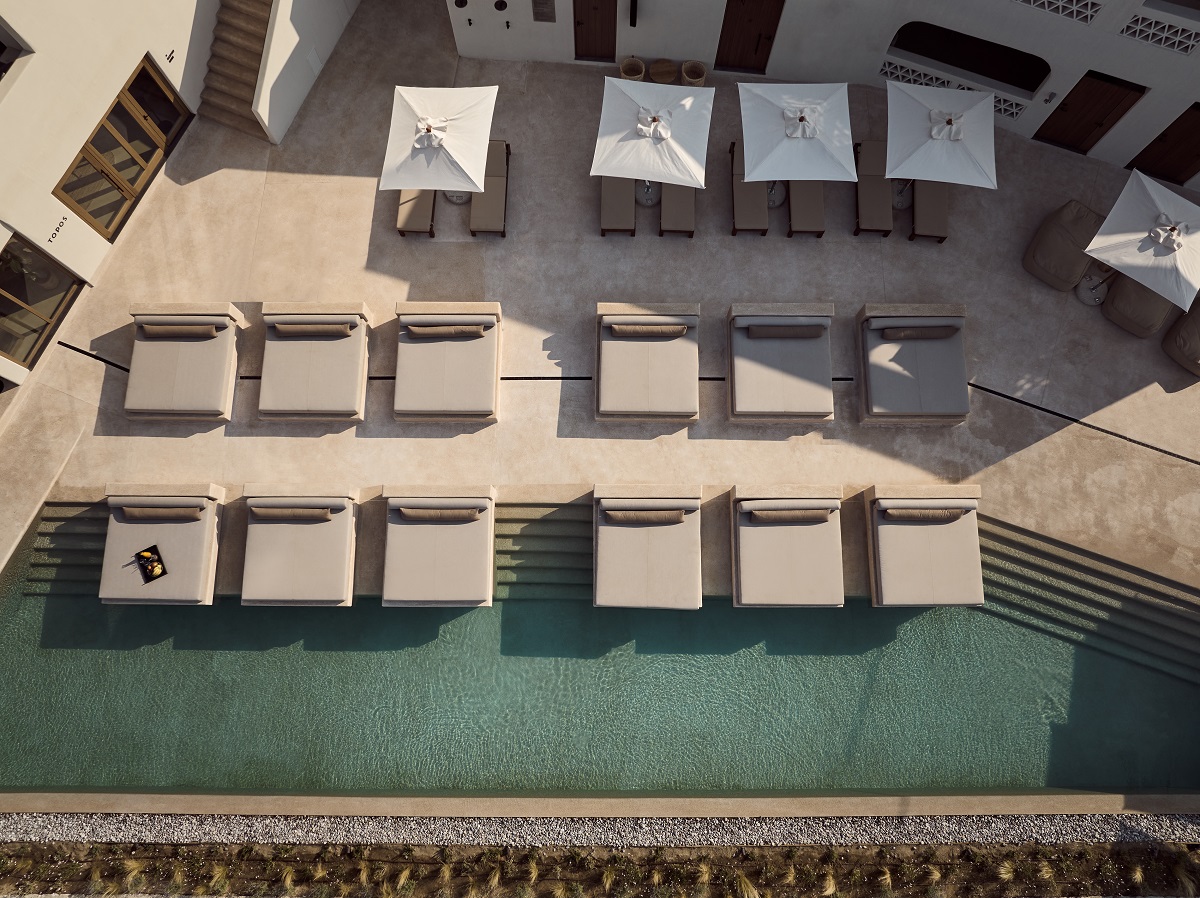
[614, 832]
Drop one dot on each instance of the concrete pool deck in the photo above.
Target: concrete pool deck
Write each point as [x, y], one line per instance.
[1078, 431]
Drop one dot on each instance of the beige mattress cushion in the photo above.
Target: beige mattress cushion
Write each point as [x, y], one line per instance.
[648, 566]
[931, 208]
[789, 562]
[806, 205]
[184, 376]
[750, 210]
[416, 210]
[315, 375]
[1135, 304]
[188, 549]
[659, 376]
[916, 377]
[927, 563]
[488, 208]
[678, 209]
[781, 376]
[300, 561]
[617, 208]
[439, 562]
[452, 376]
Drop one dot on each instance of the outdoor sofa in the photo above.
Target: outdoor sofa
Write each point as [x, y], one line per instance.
[299, 546]
[1135, 307]
[181, 523]
[489, 210]
[440, 548]
[923, 545]
[447, 361]
[184, 363]
[787, 546]
[912, 363]
[314, 361]
[415, 213]
[779, 362]
[677, 211]
[873, 191]
[647, 547]
[1182, 342]
[749, 197]
[1056, 254]
[931, 210]
[618, 208]
[647, 361]
[806, 208]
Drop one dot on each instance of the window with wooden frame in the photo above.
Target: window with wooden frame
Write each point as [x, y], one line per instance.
[125, 149]
[35, 292]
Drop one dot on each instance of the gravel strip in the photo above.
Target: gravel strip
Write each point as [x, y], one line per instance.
[616, 832]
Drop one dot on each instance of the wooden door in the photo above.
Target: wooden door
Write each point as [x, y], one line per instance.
[596, 30]
[747, 34]
[1175, 154]
[1086, 114]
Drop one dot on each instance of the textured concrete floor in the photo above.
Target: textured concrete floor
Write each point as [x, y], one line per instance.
[235, 219]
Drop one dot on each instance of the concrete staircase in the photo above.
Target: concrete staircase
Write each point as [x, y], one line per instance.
[237, 50]
[1086, 599]
[544, 552]
[67, 551]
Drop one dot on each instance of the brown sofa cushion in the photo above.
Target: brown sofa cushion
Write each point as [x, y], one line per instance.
[291, 514]
[648, 330]
[789, 515]
[151, 513]
[925, 515]
[940, 332]
[431, 331]
[312, 330]
[785, 331]
[176, 331]
[646, 516]
[439, 514]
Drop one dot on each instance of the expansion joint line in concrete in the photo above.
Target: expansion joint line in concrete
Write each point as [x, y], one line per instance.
[92, 355]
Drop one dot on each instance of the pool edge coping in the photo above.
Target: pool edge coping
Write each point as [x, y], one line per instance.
[598, 806]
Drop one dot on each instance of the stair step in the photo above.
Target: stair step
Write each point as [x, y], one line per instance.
[524, 574]
[235, 18]
[64, 573]
[74, 512]
[229, 86]
[68, 526]
[66, 556]
[999, 605]
[233, 70]
[81, 543]
[521, 529]
[211, 97]
[248, 41]
[259, 9]
[541, 591]
[233, 120]
[539, 512]
[78, 589]
[544, 560]
[248, 59]
[549, 544]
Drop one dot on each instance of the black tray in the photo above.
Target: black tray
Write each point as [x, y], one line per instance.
[150, 564]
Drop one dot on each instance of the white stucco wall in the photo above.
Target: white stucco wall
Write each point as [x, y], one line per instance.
[51, 99]
[847, 40]
[300, 37]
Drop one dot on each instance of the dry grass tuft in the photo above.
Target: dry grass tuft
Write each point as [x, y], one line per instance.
[742, 885]
[531, 872]
[607, 878]
[445, 872]
[1184, 879]
[884, 878]
[319, 872]
[1045, 872]
[1007, 871]
[495, 877]
[656, 876]
[828, 885]
[704, 873]
[1137, 875]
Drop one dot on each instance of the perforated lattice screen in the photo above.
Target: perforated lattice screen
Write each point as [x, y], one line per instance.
[895, 71]
[1079, 10]
[1162, 34]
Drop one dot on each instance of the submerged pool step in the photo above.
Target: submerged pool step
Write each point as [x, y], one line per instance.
[1084, 598]
[544, 552]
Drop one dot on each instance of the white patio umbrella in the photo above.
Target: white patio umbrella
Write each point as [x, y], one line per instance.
[941, 134]
[1153, 236]
[797, 132]
[653, 132]
[438, 139]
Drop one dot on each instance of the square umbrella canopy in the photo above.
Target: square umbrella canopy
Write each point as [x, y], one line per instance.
[797, 132]
[941, 134]
[653, 132]
[438, 139]
[1153, 236]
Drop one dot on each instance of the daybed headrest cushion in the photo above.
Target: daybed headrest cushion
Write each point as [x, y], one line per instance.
[431, 331]
[291, 514]
[176, 331]
[940, 332]
[648, 330]
[311, 330]
[160, 513]
[925, 515]
[790, 515]
[646, 516]
[785, 331]
[445, 515]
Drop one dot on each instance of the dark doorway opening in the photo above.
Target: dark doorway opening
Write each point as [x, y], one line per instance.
[596, 30]
[1175, 154]
[1088, 112]
[747, 35]
[986, 60]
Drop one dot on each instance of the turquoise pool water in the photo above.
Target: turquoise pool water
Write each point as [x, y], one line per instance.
[558, 697]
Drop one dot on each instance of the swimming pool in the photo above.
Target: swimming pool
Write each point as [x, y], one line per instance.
[554, 696]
